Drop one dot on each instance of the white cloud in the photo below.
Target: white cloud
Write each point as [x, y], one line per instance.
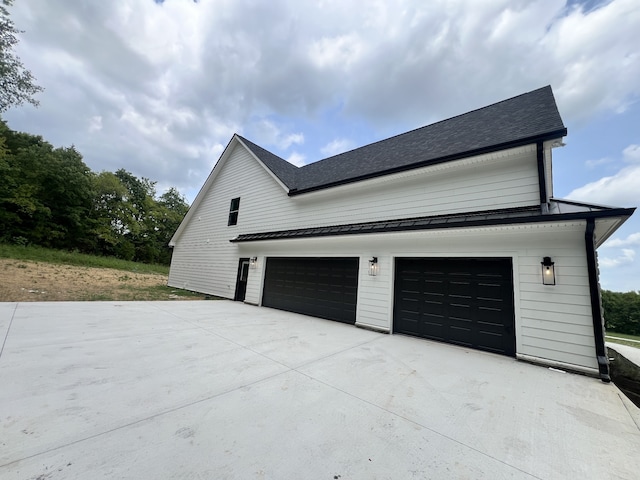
[627, 257]
[296, 159]
[632, 153]
[185, 75]
[270, 134]
[337, 52]
[95, 124]
[621, 189]
[336, 146]
[598, 162]
[633, 239]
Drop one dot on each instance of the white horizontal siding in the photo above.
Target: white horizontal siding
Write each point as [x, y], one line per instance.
[375, 298]
[556, 320]
[552, 322]
[204, 260]
[511, 183]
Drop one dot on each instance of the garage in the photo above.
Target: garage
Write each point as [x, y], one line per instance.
[321, 287]
[464, 301]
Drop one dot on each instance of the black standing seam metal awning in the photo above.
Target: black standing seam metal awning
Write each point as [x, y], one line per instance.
[560, 210]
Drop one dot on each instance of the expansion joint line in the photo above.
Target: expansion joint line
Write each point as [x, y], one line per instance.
[4, 341]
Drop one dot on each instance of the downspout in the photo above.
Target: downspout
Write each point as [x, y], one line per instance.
[542, 180]
[596, 306]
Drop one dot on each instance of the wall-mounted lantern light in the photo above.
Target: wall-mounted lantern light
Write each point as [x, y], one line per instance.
[253, 261]
[548, 272]
[373, 266]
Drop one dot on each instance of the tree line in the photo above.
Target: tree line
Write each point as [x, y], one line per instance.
[621, 312]
[49, 197]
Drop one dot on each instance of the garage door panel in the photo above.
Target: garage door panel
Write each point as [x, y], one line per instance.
[321, 287]
[462, 301]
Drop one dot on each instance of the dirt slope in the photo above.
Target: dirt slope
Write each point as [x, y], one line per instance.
[27, 281]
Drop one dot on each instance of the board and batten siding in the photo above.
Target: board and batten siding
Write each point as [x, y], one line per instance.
[204, 260]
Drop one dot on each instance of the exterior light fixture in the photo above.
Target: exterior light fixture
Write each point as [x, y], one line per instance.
[253, 261]
[373, 266]
[548, 272]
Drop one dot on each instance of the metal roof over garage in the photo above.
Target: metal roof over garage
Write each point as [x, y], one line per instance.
[559, 210]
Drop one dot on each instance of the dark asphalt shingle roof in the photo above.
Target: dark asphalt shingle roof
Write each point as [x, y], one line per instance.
[282, 169]
[516, 121]
[559, 210]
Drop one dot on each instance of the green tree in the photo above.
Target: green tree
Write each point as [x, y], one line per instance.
[49, 197]
[68, 194]
[621, 311]
[171, 209]
[112, 215]
[45, 195]
[17, 84]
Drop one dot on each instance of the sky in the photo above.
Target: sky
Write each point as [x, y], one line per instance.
[159, 87]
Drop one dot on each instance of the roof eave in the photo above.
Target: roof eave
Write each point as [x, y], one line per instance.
[623, 213]
[435, 161]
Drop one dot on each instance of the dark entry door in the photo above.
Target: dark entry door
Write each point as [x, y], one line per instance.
[241, 282]
[465, 301]
[320, 287]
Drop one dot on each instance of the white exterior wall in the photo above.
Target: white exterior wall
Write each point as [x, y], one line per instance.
[553, 323]
[204, 260]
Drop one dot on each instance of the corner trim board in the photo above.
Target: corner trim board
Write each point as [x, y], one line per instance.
[596, 306]
[542, 181]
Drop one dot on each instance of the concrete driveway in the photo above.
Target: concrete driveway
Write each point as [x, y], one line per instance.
[222, 390]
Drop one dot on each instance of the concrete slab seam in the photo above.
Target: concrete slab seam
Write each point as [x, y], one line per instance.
[337, 352]
[145, 419]
[262, 354]
[8, 329]
[422, 426]
[97, 340]
[628, 411]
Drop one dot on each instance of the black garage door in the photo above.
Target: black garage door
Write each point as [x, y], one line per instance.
[321, 287]
[466, 301]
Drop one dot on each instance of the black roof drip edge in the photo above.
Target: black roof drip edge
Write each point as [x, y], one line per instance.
[434, 161]
[473, 219]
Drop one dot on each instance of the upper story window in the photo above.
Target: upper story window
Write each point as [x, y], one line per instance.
[233, 211]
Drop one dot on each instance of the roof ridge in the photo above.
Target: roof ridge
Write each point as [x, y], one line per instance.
[516, 121]
[429, 125]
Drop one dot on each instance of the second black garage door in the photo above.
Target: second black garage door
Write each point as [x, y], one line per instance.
[465, 301]
[321, 287]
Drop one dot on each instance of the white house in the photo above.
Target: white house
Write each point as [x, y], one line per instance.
[449, 232]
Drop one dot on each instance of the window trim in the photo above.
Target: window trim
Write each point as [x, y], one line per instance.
[233, 212]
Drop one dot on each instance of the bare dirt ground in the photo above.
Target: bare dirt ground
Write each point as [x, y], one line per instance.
[27, 281]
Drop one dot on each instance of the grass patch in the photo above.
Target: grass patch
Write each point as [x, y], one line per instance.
[162, 292]
[635, 344]
[41, 254]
